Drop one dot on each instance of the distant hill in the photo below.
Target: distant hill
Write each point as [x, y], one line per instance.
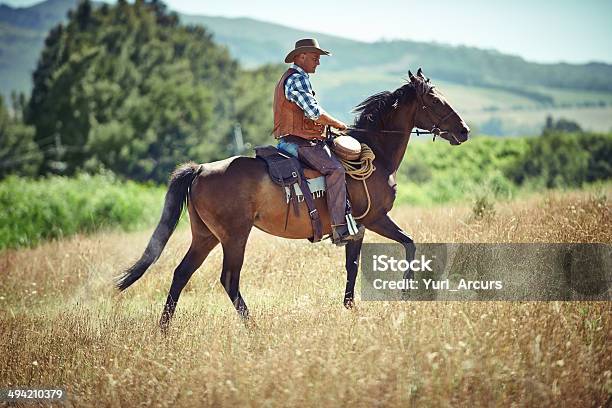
[22, 35]
[503, 93]
[255, 42]
[500, 94]
[41, 16]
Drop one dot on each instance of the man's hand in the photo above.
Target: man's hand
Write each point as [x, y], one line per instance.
[341, 126]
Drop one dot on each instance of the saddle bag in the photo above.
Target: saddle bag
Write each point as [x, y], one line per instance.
[284, 169]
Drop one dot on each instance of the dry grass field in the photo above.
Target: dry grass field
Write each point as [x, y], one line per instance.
[63, 324]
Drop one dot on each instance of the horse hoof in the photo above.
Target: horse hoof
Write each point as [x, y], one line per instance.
[164, 325]
[249, 323]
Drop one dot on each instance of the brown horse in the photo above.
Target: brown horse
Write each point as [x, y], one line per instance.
[225, 199]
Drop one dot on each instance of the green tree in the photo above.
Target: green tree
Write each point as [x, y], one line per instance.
[254, 97]
[127, 88]
[561, 125]
[556, 159]
[600, 159]
[19, 154]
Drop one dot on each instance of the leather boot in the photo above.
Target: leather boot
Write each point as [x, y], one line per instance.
[341, 234]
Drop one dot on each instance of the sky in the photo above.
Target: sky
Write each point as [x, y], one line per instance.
[537, 30]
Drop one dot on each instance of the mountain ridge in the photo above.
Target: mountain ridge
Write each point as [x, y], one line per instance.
[254, 43]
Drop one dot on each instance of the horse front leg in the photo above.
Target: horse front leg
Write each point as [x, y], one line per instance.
[386, 227]
[353, 249]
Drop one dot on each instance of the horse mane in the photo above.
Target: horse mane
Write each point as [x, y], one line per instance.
[373, 111]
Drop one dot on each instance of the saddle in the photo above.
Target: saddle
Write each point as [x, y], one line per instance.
[288, 172]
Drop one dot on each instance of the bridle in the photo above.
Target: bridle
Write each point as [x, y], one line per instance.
[435, 129]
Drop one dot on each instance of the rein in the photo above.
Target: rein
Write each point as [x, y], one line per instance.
[436, 131]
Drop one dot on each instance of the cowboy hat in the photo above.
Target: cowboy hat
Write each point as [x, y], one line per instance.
[305, 45]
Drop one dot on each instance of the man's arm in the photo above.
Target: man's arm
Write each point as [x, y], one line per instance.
[298, 90]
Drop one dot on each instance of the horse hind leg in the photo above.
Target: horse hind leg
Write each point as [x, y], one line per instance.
[233, 258]
[195, 256]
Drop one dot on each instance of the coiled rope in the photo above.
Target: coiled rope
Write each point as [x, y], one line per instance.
[361, 169]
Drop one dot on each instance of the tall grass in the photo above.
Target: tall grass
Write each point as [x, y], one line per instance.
[64, 324]
[55, 207]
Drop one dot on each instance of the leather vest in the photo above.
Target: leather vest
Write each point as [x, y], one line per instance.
[289, 118]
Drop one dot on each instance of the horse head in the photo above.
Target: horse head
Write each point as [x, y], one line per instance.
[435, 113]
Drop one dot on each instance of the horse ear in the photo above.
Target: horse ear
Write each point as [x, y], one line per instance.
[410, 76]
[420, 72]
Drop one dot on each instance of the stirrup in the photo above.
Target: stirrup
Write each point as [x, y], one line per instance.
[342, 234]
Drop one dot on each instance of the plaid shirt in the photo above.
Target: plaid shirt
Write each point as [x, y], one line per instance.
[299, 90]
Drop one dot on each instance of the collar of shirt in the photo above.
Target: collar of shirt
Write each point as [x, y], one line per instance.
[300, 70]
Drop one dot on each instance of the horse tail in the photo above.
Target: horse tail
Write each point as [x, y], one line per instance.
[177, 197]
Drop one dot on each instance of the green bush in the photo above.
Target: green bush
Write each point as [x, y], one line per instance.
[483, 207]
[559, 159]
[433, 173]
[600, 159]
[481, 171]
[35, 210]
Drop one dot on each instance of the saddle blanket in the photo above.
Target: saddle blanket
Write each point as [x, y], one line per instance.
[316, 186]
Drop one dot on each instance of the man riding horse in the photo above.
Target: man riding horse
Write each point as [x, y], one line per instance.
[227, 198]
[300, 124]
